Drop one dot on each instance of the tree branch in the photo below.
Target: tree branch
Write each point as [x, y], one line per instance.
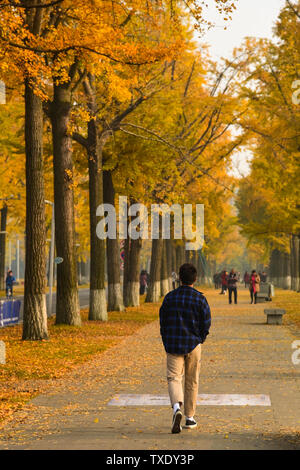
[80, 139]
[177, 149]
[292, 7]
[74, 48]
[28, 7]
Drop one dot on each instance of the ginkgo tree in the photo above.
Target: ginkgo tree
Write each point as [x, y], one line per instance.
[164, 159]
[268, 200]
[12, 179]
[109, 102]
[45, 45]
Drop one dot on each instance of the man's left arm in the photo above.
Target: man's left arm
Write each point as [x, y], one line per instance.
[162, 314]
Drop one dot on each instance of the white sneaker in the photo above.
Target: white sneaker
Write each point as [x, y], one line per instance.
[177, 417]
[190, 424]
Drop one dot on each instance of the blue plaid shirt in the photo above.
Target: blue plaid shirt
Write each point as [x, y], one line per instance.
[185, 320]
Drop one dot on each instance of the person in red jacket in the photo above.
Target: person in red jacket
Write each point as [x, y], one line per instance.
[224, 276]
[254, 286]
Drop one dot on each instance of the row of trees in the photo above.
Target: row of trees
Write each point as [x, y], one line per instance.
[268, 199]
[118, 99]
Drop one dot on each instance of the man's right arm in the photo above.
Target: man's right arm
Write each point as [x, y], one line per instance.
[205, 318]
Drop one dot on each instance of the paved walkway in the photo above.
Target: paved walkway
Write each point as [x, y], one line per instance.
[242, 355]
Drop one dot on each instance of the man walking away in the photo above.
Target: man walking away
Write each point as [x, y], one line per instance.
[185, 320]
[232, 286]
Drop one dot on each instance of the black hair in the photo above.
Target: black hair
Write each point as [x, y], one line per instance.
[188, 274]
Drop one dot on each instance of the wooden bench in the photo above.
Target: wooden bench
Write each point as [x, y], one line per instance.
[274, 315]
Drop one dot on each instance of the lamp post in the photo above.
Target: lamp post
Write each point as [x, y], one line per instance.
[9, 254]
[18, 259]
[51, 261]
[3, 232]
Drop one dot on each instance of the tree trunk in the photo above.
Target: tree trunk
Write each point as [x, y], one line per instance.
[201, 268]
[272, 267]
[164, 281]
[131, 279]
[287, 271]
[298, 265]
[174, 258]
[178, 258]
[214, 265]
[153, 293]
[292, 258]
[126, 270]
[195, 262]
[67, 302]
[131, 282]
[35, 313]
[188, 256]
[169, 250]
[209, 275]
[133, 289]
[3, 245]
[115, 294]
[280, 269]
[295, 263]
[98, 305]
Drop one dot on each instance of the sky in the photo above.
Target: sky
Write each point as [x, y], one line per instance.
[252, 18]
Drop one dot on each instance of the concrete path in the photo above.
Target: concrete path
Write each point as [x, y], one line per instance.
[242, 355]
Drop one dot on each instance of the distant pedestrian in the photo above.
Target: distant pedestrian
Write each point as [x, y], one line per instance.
[224, 276]
[9, 283]
[184, 324]
[232, 286]
[216, 280]
[143, 282]
[246, 279]
[254, 286]
[263, 277]
[174, 279]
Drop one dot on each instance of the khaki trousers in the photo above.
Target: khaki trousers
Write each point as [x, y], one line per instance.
[189, 366]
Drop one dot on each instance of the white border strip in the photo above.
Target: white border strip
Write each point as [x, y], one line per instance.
[203, 399]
